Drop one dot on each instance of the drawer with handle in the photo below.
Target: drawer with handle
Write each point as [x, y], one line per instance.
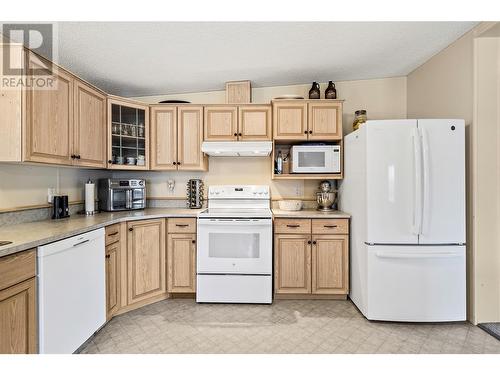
[181, 225]
[292, 226]
[112, 234]
[330, 226]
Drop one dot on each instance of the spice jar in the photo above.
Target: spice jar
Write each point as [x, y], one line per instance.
[359, 119]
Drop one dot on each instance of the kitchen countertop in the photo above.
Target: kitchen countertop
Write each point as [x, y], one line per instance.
[310, 214]
[29, 235]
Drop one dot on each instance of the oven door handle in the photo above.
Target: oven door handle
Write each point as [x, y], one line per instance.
[239, 222]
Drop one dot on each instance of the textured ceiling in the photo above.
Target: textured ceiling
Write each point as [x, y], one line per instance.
[138, 59]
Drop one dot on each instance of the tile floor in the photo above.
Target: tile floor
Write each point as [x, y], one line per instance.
[182, 326]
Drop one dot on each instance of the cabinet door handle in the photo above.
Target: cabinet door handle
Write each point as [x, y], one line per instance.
[108, 256]
[130, 229]
[330, 226]
[112, 234]
[193, 241]
[110, 161]
[178, 163]
[293, 225]
[73, 156]
[182, 225]
[305, 131]
[240, 134]
[308, 242]
[314, 242]
[310, 131]
[174, 163]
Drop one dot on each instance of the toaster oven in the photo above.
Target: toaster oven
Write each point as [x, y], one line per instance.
[119, 195]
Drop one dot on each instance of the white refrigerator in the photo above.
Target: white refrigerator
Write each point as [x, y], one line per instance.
[404, 185]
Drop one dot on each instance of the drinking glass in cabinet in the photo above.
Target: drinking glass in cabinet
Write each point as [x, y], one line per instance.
[133, 131]
[140, 132]
[115, 128]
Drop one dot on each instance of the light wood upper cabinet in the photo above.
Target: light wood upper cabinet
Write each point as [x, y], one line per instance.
[11, 102]
[330, 274]
[89, 135]
[292, 263]
[290, 120]
[128, 133]
[112, 279]
[146, 259]
[181, 261]
[190, 137]
[164, 138]
[220, 123]
[254, 123]
[18, 324]
[325, 121]
[49, 117]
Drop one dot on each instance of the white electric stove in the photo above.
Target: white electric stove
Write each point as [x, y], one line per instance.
[235, 255]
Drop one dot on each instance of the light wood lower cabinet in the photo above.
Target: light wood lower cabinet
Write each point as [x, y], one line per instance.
[112, 279]
[18, 325]
[311, 257]
[181, 260]
[330, 266]
[146, 259]
[292, 272]
[181, 255]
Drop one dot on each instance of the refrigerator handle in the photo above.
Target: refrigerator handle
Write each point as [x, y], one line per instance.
[417, 200]
[426, 177]
[415, 255]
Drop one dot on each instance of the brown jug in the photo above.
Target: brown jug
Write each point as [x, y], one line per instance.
[331, 91]
[314, 92]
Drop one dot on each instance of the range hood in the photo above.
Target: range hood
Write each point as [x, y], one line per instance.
[237, 148]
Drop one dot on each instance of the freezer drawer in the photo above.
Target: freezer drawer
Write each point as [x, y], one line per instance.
[416, 283]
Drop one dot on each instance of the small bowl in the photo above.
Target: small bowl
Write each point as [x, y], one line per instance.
[290, 205]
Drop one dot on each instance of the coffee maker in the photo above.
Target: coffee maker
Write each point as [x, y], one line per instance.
[60, 207]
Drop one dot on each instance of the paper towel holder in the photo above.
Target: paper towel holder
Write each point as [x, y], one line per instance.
[89, 207]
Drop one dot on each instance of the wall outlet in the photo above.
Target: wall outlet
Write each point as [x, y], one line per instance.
[50, 194]
[299, 190]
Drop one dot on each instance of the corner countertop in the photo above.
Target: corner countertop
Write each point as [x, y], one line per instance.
[29, 235]
[310, 214]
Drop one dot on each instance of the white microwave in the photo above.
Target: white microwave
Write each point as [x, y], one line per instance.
[315, 159]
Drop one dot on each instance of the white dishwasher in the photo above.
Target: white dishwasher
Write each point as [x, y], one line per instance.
[71, 292]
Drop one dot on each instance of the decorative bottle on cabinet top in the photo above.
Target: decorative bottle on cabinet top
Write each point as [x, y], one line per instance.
[331, 91]
[314, 92]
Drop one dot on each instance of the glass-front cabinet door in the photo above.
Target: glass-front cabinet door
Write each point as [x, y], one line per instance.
[128, 140]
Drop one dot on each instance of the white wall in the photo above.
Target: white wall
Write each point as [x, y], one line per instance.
[26, 185]
[486, 188]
